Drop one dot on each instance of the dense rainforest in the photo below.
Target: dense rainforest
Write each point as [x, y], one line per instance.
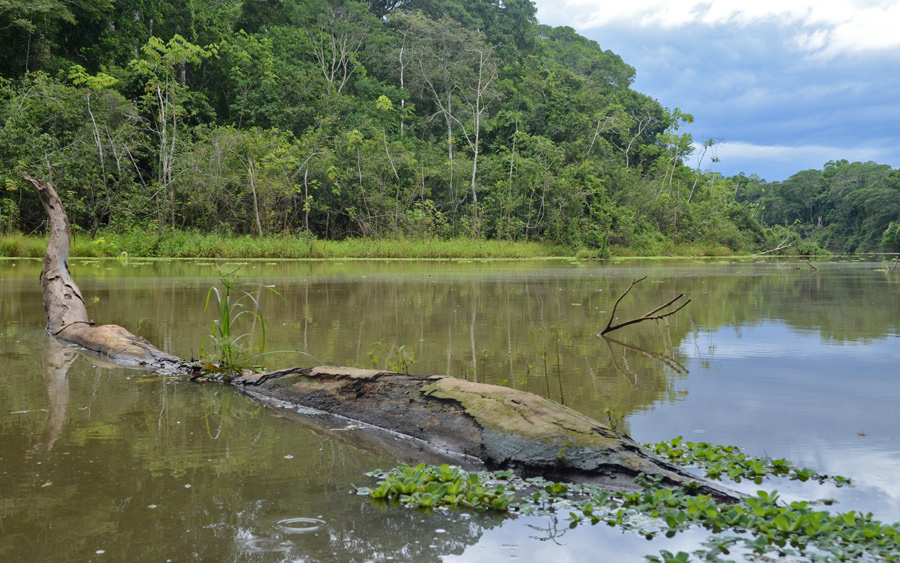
[381, 119]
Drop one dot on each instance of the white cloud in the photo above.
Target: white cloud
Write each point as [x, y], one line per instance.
[872, 29]
[824, 28]
[747, 151]
[789, 84]
[783, 160]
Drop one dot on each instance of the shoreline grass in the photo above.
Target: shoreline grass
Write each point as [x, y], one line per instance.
[181, 244]
[193, 244]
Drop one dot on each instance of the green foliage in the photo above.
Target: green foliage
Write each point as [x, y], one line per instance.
[668, 557]
[760, 525]
[395, 358]
[236, 305]
[845, 207]
[890, 240]
[430, 487]
[730, 462]
[379, 120]
[149, 243]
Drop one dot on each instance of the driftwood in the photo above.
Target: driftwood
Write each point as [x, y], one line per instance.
[67, 317]
[428, 417]
[473, 423]
[648, 316]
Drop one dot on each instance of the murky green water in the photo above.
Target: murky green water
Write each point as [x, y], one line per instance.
[100, 464]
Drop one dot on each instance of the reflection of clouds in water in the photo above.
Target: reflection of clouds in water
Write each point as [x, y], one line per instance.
[518, 539]
[778, 392]
[874, 473]
[775, 339]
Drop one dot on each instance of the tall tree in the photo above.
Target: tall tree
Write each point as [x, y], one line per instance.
[336, 31]
[455, 67]
[163, 68]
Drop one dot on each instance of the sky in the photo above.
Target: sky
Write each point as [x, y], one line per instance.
[781, 85]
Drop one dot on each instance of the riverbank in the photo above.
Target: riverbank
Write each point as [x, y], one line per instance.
[180, 244]
[192, 244]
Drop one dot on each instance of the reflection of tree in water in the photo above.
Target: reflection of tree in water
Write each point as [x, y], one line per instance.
[551, 532]
[157, 470]
[536, 334]
[508, 323]
[56, 359]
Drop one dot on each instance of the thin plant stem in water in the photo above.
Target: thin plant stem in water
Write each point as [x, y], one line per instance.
[235, 302]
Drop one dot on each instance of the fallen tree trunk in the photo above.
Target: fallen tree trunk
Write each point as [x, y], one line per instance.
[498, 427]
[444, 417]
[67, 317]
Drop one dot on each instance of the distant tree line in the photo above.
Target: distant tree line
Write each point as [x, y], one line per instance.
[845, 207]
[337, 118]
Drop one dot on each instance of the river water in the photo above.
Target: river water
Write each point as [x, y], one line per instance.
[99, 463]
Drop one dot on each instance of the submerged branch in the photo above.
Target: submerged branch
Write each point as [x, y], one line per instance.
[648, 316]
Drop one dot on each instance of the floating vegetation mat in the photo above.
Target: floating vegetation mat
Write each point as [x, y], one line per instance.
[760, 526]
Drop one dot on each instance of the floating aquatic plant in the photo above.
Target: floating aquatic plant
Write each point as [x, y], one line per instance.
[759, 526]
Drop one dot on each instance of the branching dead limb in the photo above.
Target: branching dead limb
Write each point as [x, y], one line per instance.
[648, 316]
[781, 246]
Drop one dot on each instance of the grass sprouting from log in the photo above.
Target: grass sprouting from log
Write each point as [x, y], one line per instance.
[236, 302]
[759, 526]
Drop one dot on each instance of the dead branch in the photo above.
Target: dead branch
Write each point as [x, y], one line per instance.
[67, 317]
[781, 246]
[812, 267]
[648, 316]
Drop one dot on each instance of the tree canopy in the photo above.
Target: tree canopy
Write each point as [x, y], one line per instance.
[385, 118]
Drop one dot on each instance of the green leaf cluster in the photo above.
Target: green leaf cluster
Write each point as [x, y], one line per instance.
[757, 526]
[375, 119]
[429, 487]
[730, 462]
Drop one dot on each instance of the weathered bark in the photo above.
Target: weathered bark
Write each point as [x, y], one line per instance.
[67, 317]
[473, 422]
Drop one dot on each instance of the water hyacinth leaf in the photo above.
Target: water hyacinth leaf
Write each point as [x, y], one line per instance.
[767, 526]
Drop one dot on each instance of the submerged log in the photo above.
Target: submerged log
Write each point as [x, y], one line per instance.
[67, 317]
[436, 416]
[499, 427]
